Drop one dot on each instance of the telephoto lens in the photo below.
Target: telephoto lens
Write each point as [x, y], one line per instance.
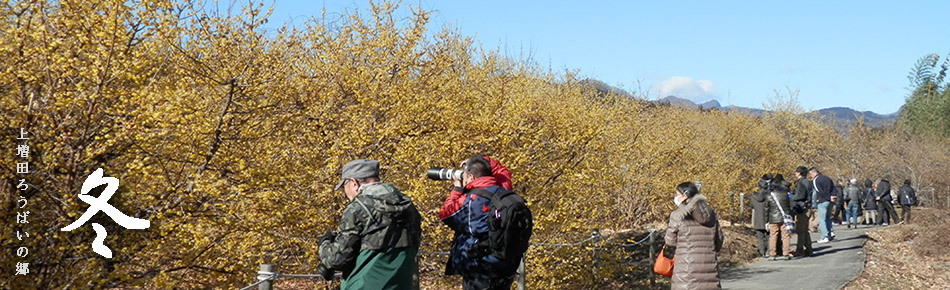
[439, 173]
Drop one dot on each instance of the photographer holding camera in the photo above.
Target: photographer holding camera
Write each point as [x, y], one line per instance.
[466, 211]
[378, 237]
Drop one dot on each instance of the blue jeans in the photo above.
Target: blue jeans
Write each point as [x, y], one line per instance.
[851, 213]
[824, 219]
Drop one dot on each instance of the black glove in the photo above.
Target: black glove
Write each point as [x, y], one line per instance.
[669, 251]
[327, 274]
[329, 236]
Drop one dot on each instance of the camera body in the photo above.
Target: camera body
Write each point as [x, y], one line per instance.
[439, 173]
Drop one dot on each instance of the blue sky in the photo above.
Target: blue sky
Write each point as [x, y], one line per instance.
[836, 53]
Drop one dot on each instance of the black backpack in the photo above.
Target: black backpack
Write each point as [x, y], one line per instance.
[909, 197]
[509, 224]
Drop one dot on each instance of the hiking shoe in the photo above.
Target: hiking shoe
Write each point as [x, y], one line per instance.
[884, 224]
[823, 240]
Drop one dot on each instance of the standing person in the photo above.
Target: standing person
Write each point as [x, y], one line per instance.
[881, 212]
[694, 239]
[466, 212]
[777, 205]
[801, 208]
[884, 196]
[852, 198]
[378, 237]
[870, 203]
[907, 197]
[840, 214]
[823, 197]
[813, 201]
[760, 215]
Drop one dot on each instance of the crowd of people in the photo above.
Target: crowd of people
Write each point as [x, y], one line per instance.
[379, 234]
[815, 203]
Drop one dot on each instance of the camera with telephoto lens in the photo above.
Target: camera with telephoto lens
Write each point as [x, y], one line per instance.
[439, 173]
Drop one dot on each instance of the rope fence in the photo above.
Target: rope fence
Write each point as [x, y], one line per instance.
[266, 275]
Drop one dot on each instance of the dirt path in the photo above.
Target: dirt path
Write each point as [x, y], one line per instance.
[833, 265]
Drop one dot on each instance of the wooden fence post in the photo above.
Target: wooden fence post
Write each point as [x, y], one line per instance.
[653, 255]
[595, 259]
[732, 204]
[521, 275]
[742, 208]
[267, 270]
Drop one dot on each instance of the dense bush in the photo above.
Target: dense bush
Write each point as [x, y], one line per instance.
[229, 139]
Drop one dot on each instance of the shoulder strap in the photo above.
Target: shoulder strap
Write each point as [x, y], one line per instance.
[779, 204]
[485, 192]
[368, 212]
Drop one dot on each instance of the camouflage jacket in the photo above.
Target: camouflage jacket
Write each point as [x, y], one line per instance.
[379, 219]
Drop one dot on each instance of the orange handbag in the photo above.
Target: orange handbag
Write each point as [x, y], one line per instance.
[663, 265]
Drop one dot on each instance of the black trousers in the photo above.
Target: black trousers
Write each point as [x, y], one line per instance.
[839, 213]
[480, 282]
[763, 237]
[803, 246]
[886, 212]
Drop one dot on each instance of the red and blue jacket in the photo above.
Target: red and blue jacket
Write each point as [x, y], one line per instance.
[467, 215]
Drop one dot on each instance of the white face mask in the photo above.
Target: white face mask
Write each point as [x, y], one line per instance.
[677, 201]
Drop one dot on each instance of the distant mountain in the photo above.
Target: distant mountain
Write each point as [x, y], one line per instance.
[840, 117]
[682, 103]
[750, 111]
[846, 117]
[711, 104]
[604, 89]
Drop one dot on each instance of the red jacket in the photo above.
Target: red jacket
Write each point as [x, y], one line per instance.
[500, 176]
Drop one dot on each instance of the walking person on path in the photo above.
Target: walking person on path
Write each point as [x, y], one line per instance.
[907, 197]
[884, 196]
[694, 239]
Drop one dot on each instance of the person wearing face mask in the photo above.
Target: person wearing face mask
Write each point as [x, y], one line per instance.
[378, 236]
[694, 238]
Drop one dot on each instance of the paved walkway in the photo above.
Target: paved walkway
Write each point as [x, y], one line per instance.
[833, 265]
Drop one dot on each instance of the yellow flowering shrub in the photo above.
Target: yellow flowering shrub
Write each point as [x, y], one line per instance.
[229, 138]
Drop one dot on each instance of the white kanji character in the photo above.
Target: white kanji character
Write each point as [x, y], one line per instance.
[23, 150]
[20, 235]
[23, 185]
[21, 217]
[22, 167]
[22, 268]
[101, 203]
[22, 252]
[23, 133]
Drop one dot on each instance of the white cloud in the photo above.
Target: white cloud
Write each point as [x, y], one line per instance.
[686, 88]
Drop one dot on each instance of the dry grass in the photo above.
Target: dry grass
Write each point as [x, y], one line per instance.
[909, 256]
